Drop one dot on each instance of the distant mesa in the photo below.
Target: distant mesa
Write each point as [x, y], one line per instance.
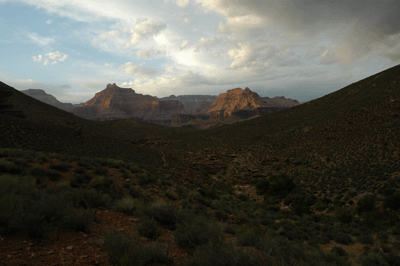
[124, 103]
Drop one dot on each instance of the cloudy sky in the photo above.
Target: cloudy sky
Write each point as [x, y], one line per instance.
[301, 49]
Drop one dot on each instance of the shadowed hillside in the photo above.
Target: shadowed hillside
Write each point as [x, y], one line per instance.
[30, 124]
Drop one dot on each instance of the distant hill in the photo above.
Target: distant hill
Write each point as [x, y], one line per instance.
[352, 133]
[30, 124]
[42, 96]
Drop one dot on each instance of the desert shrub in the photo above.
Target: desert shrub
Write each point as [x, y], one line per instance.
[98, 170]
[211, 193]
[277, 186]
[344, 215]
[243, 197]
[339, 251]
[366, 238]
[80, 179]
[9, 167]
[101, 183]
[42, 159]
[79, 220]
[171, 195]
[16, 184]
[125, 250]
[393, 202]
[373, 259]
[39, 214]
[134, 168]
[166, 215]
[53, 175]
[342, 238]
[249, 239]
[62, 167]
[365, 204]
[90, 198]
[149, 228]
[129, 205]
[37, 171]
[198, 231]
[229, 228]
[144, 178]
[9, 203]
[224, 255]
[79, 170]
[220, 215]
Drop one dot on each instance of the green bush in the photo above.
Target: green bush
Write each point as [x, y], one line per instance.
[129, 205]
[249, 239]
[222, 254]
[9, 167]
[393, 202]
[171, 195]
[98, 170]
[53, 175]
[166, 215]
[62, 167]
[126, 251]
[342, 238]
[277, 186]
[79, 220]
[149, 228]
[37, 171]
[366, 204]
[197, 231]
[373, 259]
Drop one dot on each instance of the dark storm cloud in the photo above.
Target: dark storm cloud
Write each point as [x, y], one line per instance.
[358, 27]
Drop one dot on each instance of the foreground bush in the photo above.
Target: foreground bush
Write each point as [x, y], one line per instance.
[166, 215]
[125, 250]
[196, 232]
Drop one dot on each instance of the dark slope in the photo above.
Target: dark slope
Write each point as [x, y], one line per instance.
[30, 124]
[354, 131]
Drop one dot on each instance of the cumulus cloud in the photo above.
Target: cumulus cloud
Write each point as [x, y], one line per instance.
[138, 70]
[149, 53]
[241, 55]
[170, 69]
[207, 43]
[184, 44]
[49, 21]
[145, 28]
[109, 35]
[182, 3]
[54, 56]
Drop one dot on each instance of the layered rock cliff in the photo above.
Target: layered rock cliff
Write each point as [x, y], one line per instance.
[191, 102]
[42, 96]
[234, 100]
[234, 105]
[121, 103]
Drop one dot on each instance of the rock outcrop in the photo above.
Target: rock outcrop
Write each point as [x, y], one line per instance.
[191, 102]
[121, 103]
[42, 96]
[235, 100]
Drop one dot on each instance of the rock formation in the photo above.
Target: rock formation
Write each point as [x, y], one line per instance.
[42, 96]
[234, 100]
[120, 103]
[234, 105]
[191, 102]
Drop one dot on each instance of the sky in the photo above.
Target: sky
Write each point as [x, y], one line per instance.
[301, 49]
